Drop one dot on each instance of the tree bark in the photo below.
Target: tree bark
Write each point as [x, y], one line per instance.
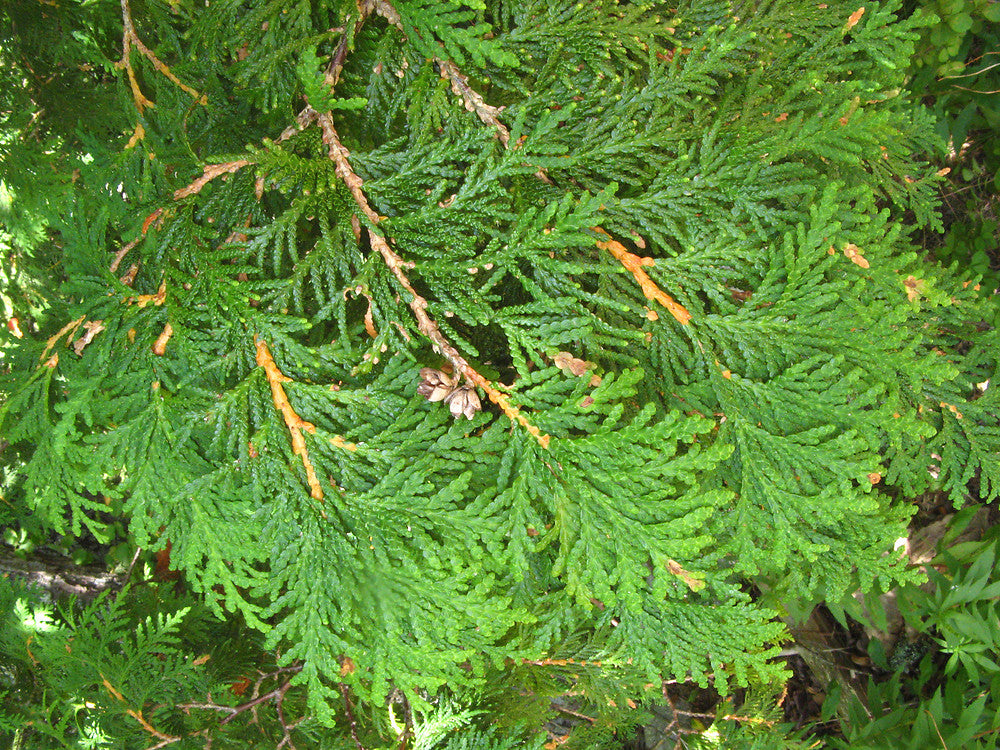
[57, 575]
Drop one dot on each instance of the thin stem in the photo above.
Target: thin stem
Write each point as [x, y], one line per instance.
[278, 692]
[349, 711]
[210, 172]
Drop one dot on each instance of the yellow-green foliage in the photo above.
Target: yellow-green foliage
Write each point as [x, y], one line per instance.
[661, 245]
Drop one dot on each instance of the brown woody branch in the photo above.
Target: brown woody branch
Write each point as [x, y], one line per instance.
[155, 216]
[303, 119]
[211, 171]
[488, 114]
[332, 74]
[122, 253]
[474, 102]
[349, 711]
[277, 695]
[418, 304]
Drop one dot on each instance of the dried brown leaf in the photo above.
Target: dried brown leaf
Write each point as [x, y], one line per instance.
[567, 362]
[93, 327]
[853, 253]
[914, 287]
[853, 20]
[693, 580]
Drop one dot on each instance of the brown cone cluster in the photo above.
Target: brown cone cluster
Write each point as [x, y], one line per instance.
[462, 400]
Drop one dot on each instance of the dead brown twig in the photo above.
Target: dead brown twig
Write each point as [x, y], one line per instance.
[349, 712]
[122, 253]
[474, 102]
[332, 74]
[54, 338]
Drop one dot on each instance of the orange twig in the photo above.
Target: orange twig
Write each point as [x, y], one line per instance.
[138, 134]
[501, 400]
[137, 715]
[561, 662]
[129, 39]
[144, 299]
[160, 345]
[51, 341]
[337, 441]
[293, 421]
[633, 264]
[27, 647]
[154, 218]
